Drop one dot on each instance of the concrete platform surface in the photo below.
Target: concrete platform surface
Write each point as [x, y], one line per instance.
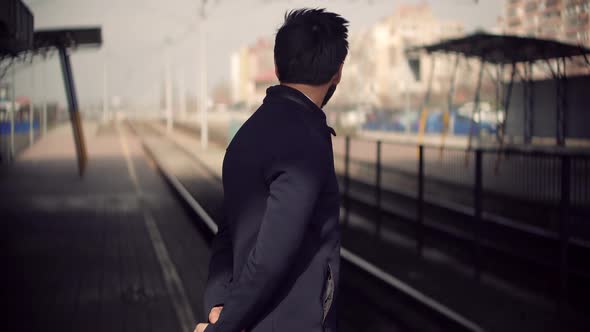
[111, 251]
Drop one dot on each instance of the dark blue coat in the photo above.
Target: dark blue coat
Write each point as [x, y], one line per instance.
[275, 261]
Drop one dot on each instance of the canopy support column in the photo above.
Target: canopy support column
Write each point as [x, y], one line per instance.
[424, 110]
[560, 100]
[448, 113]
[528, 100]
[506, 106]
[66, 67]
[476, 109]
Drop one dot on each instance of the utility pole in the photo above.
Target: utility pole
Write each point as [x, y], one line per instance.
[406, 93]
[105, 93]
[182, 95]
[203, 76]
[168, 87]
[12, 111]
[32, 104]
[43, 88]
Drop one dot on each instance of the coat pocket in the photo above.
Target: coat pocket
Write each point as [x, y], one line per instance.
[328, 293]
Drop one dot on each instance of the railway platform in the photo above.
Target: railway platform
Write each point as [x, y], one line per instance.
[119, 249]
[113, 250]
[491, 303]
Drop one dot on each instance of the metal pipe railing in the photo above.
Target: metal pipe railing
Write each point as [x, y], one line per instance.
[542, 164]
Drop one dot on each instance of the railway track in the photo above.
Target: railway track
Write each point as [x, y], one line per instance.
[505, 248]
[371, 299]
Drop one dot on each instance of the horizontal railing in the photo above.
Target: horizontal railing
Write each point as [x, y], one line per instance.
[451, 319]
[531, 193]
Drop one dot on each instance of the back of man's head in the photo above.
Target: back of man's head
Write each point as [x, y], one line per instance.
[310, 46]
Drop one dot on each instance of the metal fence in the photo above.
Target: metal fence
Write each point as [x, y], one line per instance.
[461, 194]
[502, 180]
[536, 202]
[12, 143]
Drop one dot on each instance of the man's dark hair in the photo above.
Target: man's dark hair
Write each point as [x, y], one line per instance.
[310, 46]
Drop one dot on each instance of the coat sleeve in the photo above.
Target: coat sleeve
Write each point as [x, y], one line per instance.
[294, 186]
[220, 268]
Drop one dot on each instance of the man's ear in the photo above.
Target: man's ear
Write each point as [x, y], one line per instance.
[277, 72]
[338, 74]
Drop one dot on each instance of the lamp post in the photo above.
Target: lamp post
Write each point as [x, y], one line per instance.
[182, 95]
[203, 100]
[44, 92]
[105, 91]
[168, 87]
[12, 111]
[32, 104]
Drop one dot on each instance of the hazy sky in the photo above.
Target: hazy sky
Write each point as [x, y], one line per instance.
[135, 31]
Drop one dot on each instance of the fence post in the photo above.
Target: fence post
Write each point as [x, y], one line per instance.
[420, 202]
[346, 179]
[477, 227]
[564, 207]
[378, 190]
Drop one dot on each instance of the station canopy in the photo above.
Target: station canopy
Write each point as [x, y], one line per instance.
[73, 37]
[505, 49]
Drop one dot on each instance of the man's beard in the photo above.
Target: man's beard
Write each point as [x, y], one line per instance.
[329, 94]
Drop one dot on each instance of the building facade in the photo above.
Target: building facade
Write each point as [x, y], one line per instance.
[380, 73]
[377, 71]
[252, 71]
[564, 20]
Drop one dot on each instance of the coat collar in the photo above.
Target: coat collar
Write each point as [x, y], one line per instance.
[312, 111]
